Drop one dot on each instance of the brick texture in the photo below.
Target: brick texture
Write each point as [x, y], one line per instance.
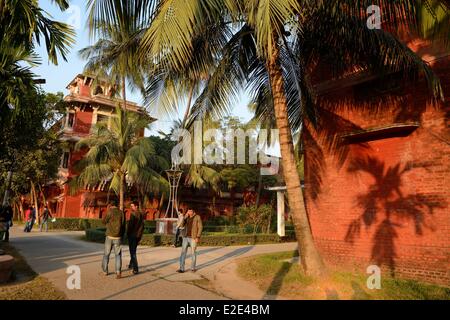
[383, 199]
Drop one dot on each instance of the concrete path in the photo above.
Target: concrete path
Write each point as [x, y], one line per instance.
[50, 254]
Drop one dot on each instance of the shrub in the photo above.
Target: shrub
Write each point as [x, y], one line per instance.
[254, 219]
[98, 235]
[78, 224]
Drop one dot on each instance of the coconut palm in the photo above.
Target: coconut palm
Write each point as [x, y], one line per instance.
[23, 25]
[114, 55]
[120, 154]
[273, 44]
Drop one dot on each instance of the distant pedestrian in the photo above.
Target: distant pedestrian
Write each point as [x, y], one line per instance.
[46, 215]
[134, 234]
[33, 218]
[114, 220]
[180, 227]
[28, 219]
[6, 217]
[191, 233]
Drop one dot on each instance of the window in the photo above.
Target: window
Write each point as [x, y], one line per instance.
[65, 160]
[102, 117]
[71, 120]
[98, 90]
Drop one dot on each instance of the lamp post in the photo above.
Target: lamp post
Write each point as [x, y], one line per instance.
[167, 225]
[174, 176]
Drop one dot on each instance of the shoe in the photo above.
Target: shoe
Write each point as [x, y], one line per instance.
[135, 271]
[180, 271]
[118, 276]
[193, 270]
[105, 273]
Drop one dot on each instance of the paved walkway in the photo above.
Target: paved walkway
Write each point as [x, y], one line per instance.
[49, 254]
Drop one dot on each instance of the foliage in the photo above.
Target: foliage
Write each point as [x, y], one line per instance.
[23, 25]
[30, 148]
[119, 153]
[256, 217]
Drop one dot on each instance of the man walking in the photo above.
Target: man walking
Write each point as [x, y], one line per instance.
[134, 233]
[32, 218]
[8, 220]
[114, 220]
[191, 236]
[45, 216]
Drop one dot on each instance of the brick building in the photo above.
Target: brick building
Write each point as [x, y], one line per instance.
[383, 195]
[89, 101]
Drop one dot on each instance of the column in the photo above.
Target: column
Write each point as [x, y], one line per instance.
[280, 214]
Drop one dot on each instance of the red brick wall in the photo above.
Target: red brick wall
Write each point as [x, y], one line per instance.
[385, 201]
[83, 122]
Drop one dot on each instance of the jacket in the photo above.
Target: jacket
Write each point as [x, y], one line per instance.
[136, 225]
[196, 227]
[115, 223]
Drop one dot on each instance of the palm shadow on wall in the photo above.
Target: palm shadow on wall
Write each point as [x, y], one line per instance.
[386, 202]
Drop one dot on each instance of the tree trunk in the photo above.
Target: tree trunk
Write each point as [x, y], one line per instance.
[8, 186]
[35, 201]
[309, 256]
[122, 192]
[124, 94]
[258, 192]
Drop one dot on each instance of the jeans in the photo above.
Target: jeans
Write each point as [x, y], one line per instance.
[6, 232]
[46, 225]
[132, 245]
[109, 244]
[188, 242]
[177, 237]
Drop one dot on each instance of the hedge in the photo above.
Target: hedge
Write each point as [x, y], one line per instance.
[77, 224]
[98, 235]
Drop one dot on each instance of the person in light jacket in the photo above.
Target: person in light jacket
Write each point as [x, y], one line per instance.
[191, 233]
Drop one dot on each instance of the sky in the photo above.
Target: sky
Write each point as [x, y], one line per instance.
[58, 77]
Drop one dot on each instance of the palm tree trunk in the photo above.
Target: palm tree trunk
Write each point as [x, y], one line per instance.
[124, 94]
[309, 256]
[35, 201]
[122, 192]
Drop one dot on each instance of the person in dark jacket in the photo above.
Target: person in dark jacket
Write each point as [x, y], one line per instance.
[6, 218]
[114, 220]
[46, 214]
[32, 218]
[134, 233]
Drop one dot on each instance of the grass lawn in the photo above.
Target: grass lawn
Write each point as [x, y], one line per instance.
[25, 283]
[277, 277]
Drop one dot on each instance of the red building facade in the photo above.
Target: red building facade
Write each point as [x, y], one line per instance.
[382, 196]
[88, 101]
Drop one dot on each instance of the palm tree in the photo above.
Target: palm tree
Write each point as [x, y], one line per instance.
[273, 44]
[114, 55]
[120, 154]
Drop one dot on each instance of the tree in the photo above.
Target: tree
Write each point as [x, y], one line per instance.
[30, 147]
[120, 154]
[23, 25]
